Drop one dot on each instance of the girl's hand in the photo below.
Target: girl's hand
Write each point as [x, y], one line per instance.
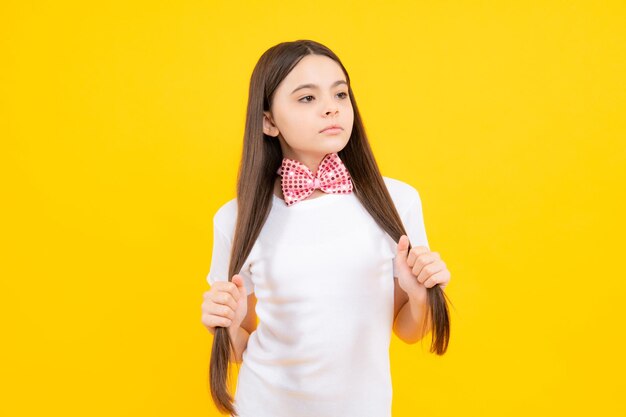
[225, 305]
[419, 269]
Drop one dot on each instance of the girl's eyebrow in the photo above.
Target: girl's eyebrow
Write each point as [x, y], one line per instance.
[336, 83]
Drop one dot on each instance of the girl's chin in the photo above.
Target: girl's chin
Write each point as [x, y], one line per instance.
[333, 147]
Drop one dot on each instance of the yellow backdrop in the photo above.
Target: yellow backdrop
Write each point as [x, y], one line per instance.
[121, 130]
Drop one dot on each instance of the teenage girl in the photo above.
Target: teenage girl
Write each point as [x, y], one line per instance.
[316, 245]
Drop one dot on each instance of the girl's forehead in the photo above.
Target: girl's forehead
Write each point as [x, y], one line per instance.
[313, 71]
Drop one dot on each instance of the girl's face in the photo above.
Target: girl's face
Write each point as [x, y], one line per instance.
[313, 96]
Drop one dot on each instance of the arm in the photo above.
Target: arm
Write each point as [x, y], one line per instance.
[240, 340]
[409, 323]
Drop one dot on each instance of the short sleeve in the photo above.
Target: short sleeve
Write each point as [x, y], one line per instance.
[413, 221]
[220, 259]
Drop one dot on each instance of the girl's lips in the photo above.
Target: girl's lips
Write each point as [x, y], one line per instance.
[332, 130]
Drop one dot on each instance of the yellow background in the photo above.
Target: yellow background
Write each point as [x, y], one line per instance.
[121, 130]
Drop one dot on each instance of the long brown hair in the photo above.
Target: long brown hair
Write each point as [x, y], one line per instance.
[261, 157]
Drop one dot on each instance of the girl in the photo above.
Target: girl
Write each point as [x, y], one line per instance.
[321, 240]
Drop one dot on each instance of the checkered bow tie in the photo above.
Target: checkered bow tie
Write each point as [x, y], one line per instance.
[298, 181]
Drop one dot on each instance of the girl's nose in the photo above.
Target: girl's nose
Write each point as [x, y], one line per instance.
[331, 107]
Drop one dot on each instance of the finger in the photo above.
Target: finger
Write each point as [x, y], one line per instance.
[403, 247]
[414, 253]
[435, 279]
[215, 321]
[421, 261]
[211, 329]
[241, 285]
[230, 287]
[428, 270]
[205, 322]
[211, 320]
[225, 298]
[220, 310]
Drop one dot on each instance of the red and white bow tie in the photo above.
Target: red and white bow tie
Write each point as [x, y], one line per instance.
[298, 181]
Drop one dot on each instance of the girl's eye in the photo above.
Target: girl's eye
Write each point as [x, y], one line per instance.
[345, 95]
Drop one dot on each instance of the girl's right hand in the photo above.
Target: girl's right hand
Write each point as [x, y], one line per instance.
[225, 304]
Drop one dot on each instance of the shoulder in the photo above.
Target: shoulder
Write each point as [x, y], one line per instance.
[403, 194]
[226, 216]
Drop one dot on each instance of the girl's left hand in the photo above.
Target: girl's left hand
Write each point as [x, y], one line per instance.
[419, 269]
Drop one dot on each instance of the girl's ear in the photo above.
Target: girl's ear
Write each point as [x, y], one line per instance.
[269, 128]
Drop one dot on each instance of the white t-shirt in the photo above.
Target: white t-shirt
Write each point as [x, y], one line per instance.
[322, 272]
